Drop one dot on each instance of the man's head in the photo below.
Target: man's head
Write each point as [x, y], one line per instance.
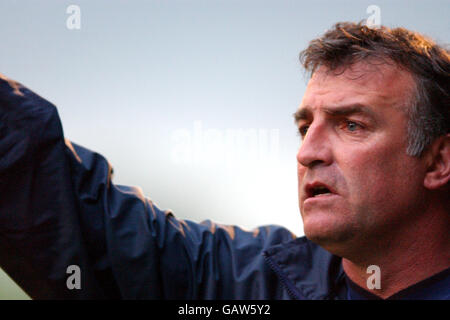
[375, 127]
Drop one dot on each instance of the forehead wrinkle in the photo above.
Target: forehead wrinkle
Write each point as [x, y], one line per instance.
[389, 88]
[379, 83]
[336, 111]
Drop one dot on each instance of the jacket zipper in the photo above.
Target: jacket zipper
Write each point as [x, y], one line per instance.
[290, 288]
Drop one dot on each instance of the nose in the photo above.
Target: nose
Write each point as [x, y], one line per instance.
[315, 148]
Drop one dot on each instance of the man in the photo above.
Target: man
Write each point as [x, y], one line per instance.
[373, 170]
[375, 127]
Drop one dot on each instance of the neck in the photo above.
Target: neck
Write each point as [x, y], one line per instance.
[406, 258]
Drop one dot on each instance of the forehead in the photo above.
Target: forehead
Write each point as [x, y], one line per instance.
[377, 86]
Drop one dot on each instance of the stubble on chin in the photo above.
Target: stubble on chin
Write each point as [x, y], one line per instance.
[337, 239]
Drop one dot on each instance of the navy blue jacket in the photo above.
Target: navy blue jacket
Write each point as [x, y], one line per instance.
[59, 207]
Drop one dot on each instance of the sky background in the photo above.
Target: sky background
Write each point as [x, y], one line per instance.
[190, 100]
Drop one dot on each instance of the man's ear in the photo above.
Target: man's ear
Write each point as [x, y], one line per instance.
[438, 172]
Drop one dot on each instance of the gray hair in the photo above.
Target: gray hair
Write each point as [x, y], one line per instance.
[426, 122]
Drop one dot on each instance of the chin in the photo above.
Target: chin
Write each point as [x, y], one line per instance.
[330, 236]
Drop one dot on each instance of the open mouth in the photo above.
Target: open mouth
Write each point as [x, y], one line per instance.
[317, 190]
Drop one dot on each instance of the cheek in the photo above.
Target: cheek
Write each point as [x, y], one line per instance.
[381, 181]
[300, 173]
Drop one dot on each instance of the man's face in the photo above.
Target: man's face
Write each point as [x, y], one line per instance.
[355, 180]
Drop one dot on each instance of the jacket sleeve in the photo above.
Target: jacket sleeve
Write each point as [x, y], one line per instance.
[59, 207]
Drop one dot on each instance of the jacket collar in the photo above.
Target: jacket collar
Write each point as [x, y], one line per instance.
[307, 270]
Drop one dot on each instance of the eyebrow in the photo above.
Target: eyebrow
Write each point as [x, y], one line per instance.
[344, 110]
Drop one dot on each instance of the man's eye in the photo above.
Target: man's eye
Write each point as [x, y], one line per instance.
[302, 130]
[352, 126]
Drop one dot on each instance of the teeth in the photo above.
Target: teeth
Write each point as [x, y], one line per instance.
[320, 190]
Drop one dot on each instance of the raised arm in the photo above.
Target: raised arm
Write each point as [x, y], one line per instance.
[59, 207]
